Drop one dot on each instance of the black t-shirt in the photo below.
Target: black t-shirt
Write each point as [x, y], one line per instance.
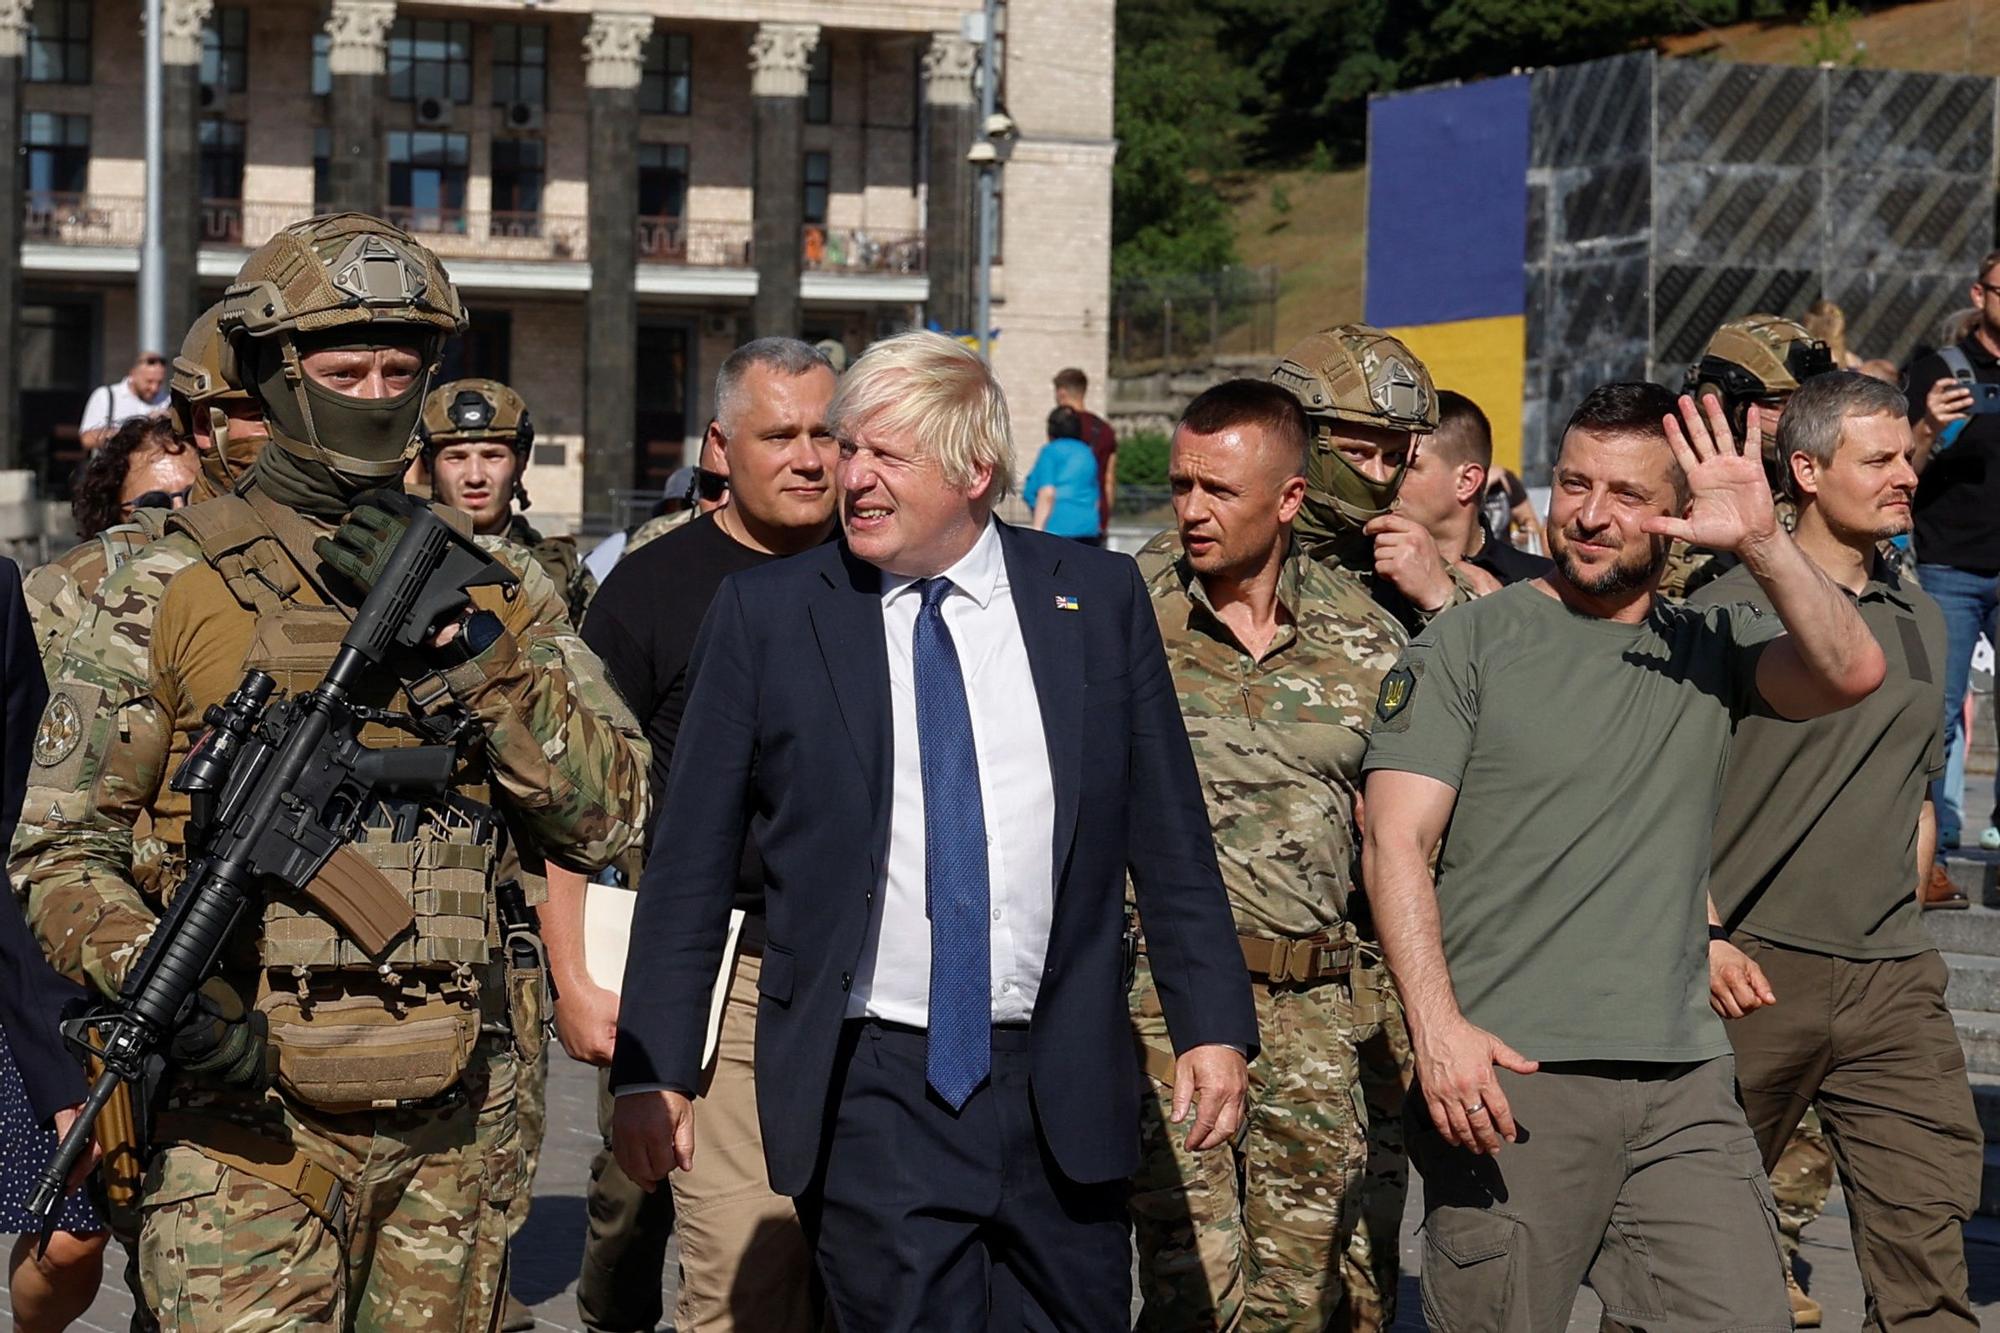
[643, 623]
[1506, 561]
[1958, 495]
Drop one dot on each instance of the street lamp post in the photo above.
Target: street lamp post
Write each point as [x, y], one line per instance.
[152, 247]
[988, 153]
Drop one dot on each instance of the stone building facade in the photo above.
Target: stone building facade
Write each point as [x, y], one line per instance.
[623, 190]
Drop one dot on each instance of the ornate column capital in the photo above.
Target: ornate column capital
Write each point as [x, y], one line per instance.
[181, 22]
[780, 56]
[14, 27]
[949, 66]
[359, 36]
[614, 50]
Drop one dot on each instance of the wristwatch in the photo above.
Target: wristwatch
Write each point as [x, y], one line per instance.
[476, 633]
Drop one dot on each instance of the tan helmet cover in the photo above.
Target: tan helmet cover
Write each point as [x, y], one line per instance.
[1359, 373]
[1765, 347]
[199, 377]
[473, 411]
[339, 269]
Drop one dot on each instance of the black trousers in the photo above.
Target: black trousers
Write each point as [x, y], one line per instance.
[925, 1220]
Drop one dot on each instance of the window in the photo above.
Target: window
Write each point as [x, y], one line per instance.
[430, 58]
[484, 351]
[517, 186]
[819, 170]
[225, 51]
[59, 42]
[427, 180]
[520, 64]
[57, 148]
[322, 75]
[322, 167]
[819, 86]
[666, 82]
[222, 159]
[663, 180]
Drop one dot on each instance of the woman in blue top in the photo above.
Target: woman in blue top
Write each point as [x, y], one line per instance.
[1062, 486]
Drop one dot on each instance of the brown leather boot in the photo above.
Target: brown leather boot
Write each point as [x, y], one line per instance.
[1805, 1310]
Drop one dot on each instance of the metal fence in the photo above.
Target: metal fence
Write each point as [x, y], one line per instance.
[1163, 324]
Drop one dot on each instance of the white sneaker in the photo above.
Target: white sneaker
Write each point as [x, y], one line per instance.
[1989, 841]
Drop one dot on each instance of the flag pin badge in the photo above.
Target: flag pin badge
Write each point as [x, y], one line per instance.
[1065, 603]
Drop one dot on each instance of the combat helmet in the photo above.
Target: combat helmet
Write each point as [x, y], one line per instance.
[201, 390]
[1359, 374]
[1757, 359]
[476, 412]
[338, 280]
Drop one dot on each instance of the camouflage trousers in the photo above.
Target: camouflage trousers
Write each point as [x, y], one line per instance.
[416, 1241]
[1294, 1225]
[1801, 1180]
[532, 1115]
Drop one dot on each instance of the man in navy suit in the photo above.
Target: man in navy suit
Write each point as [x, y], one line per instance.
[952, 739]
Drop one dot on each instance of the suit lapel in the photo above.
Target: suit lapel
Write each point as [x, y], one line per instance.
[1054, 637]
[847, 622]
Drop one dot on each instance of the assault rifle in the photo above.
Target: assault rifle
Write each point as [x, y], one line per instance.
[277, 787]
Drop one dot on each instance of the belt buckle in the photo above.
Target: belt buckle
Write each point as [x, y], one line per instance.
[1290, 961]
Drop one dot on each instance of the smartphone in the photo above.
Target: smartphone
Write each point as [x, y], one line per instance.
[1985, 399]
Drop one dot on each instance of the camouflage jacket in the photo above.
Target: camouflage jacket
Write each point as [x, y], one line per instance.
[98, 848]
[1278, 742]
[60, 591]
[561, 561]
[655, 528]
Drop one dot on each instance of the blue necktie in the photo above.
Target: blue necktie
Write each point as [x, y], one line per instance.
[959, 1050]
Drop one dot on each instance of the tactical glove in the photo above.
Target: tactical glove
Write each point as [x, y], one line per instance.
[219, 1042]
[360, 548]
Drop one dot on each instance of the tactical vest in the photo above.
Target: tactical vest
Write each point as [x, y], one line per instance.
[353, 1029]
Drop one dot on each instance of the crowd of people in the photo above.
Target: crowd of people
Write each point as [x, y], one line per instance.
[954, 907]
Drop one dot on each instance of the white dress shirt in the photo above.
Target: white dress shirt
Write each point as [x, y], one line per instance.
[1016, 790]
[115, 404]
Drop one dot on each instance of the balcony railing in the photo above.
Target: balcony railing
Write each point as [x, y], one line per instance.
[862, 250]
[114, 220]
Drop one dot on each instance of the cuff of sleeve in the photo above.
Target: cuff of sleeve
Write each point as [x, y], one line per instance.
[635, 1088]
[469, 677]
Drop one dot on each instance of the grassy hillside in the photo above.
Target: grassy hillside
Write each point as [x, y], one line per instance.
[1310, 224]
[1319, 244]
[1945, 36]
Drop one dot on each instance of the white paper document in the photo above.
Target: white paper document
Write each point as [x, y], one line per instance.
[607, 938]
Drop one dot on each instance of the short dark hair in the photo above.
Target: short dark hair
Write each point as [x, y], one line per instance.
[1463, 434]
[1633, 408]
[1065, 424]
[1260, 403]
[1069, 377]
[94, 498]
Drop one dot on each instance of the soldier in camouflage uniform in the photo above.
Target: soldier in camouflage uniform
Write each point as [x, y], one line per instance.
[1275, 657]
[1761, 360]
[476, 435]
[226, 429]
[336, 1143]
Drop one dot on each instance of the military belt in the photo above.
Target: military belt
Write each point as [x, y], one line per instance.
[258, 1156]
[1315, 958]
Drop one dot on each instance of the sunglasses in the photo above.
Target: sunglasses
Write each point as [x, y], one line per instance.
[158, 499]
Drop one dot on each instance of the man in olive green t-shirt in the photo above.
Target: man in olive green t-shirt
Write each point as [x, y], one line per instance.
[1824, 834]
[1564, 740]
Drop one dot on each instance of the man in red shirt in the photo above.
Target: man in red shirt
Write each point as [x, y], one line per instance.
[1071, 385]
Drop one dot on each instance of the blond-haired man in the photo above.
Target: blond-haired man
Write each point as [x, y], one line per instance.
[942, 866]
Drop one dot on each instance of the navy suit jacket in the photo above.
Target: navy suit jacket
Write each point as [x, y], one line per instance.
[32, 994]
[788, 729]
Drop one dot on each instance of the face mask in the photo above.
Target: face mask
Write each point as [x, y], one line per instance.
[369, 438]
[1339, 500]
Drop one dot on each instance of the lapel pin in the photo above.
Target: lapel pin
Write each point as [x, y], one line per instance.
[1065, 603]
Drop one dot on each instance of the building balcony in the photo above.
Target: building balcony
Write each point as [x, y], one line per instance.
[86, 234]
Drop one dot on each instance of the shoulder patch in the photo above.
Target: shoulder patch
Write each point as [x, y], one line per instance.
[1397, 687]
[61, 730]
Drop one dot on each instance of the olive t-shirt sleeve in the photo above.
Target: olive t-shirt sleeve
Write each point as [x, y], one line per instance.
[1750, 630]
[1428, 707]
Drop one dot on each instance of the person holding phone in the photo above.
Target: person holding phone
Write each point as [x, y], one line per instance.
[1954, 396]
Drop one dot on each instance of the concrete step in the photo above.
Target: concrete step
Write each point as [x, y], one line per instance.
[1979, 1034]
[1975, 981]
[1974, 930]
